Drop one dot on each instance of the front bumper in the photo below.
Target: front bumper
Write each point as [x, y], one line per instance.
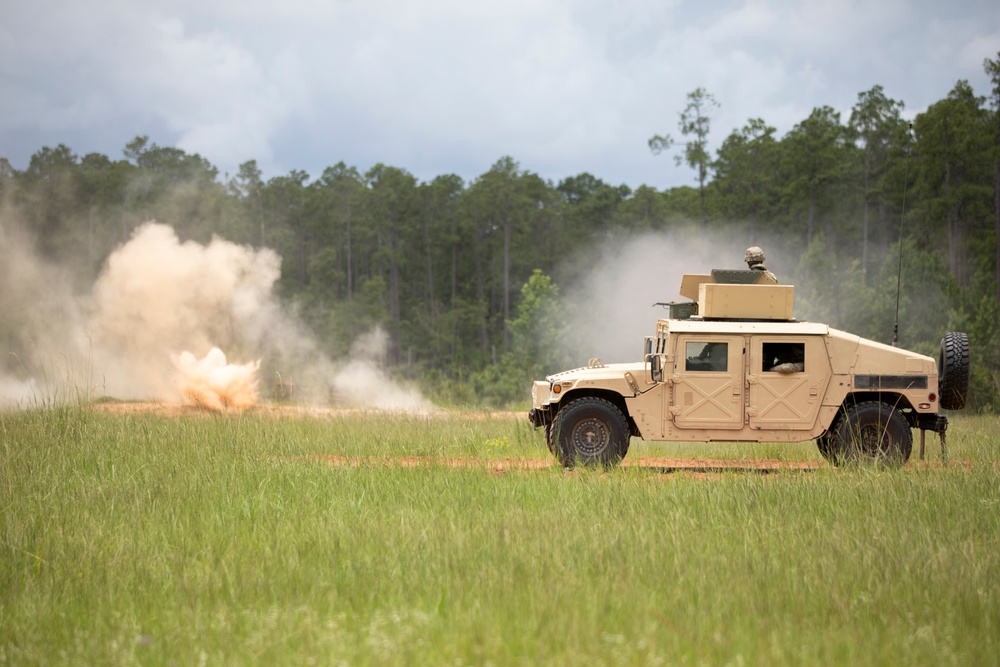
[539, 417]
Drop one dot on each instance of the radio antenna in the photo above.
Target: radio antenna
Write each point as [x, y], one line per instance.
[902, 216]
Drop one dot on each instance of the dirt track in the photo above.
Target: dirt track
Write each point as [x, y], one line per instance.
[666, 466]
[495, 466]
[276, 411]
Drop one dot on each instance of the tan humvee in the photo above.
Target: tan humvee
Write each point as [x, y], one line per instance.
[733, 365]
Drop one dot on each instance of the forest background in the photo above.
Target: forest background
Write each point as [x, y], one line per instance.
[482, 286]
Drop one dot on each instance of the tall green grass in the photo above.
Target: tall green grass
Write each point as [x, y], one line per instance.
[222, 540]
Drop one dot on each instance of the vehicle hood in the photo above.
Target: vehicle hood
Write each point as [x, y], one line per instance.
[605, 372]
[622, 379]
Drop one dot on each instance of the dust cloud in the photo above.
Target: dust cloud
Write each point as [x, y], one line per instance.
[160, 304]
[215, 384]
[172, 321]
[37, 312]
[362, 383]
[612, 305]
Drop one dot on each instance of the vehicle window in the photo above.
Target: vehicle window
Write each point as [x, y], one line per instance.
[783, 358]
[707, 357]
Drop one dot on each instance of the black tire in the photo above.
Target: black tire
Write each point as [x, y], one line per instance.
[590, 431]
[548, 439]
[953, 366]
[824, 444]
[870, 432]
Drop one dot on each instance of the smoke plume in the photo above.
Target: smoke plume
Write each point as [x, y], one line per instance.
[362, 383]
[160, 322]
[612, 304]
[37, 312]
[159, 305]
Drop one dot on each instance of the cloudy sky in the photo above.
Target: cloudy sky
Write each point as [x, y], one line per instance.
[450, 86]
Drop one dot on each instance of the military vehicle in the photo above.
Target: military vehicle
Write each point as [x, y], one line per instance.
[732, 364]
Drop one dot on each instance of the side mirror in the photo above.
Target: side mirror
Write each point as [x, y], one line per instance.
[656, 368]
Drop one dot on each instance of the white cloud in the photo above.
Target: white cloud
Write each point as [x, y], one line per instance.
[563, 86]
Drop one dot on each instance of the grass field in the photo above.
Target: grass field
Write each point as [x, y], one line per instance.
[201, 539]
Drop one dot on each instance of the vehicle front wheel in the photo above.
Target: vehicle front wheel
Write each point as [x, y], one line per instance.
[871, 432]
[591, 431]
[548, 439]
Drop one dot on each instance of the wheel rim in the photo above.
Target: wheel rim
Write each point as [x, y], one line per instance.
[873, 440]
[591, 437]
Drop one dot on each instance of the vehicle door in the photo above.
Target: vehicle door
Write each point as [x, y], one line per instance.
[707, 382]
[787, 379]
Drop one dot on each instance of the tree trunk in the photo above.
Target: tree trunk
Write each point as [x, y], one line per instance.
[350, 263]
[454, 287]
[864, 234]
[303, 243]
[481, 291]
[395, 344]
[959, 251]
[996, 225]
[377, 262]
[702, 175]
[429, 247]
[883, 223]
[432, 309]
[393, 277]
[90, 238]
[506, 281]
[260, 216]
[952, 240]
[812, 215]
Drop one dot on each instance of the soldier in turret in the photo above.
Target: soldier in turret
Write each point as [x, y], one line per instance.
[755, 261]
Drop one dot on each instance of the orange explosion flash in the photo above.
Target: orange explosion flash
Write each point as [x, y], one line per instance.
[215, 384]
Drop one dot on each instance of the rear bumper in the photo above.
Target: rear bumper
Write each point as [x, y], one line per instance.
[935, 423]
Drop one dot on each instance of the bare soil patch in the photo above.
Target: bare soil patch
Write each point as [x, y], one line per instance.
[276, 410]
[697, 468]
[664, 464]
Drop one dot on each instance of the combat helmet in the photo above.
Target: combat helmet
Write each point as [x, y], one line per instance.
[754, 255]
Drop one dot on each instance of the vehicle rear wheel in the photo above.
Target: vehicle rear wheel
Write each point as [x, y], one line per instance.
[953, 365]
[873, 432]
[591, 431]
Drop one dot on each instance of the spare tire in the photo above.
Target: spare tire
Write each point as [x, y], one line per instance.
[953, 367]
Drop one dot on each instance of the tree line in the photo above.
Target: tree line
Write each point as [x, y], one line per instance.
[465, 276]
